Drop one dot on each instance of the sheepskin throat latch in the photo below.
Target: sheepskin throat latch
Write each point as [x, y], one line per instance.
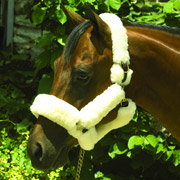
[82, 124]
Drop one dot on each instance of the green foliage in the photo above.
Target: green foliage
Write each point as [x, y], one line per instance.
[13, 85]
[136, 151]
[14, 161]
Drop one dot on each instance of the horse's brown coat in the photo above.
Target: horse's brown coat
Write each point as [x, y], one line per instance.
[155, 85]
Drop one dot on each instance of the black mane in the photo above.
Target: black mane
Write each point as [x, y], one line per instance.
[73, 39]
[173, 30]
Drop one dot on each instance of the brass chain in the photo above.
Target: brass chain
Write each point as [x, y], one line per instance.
[80, 163]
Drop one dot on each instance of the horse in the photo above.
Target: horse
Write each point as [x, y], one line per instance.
[83, 71]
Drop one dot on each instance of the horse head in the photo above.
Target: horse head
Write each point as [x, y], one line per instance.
[81, 73]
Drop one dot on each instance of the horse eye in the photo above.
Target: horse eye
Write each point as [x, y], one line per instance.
[82, 76]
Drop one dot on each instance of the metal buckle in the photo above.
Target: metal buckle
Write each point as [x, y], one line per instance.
[125, 67]
[124, 102]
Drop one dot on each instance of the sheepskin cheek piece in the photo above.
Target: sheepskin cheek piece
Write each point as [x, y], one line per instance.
[82, 124]
[75, 121]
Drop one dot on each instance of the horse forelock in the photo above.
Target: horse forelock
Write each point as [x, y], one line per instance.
[73, 39]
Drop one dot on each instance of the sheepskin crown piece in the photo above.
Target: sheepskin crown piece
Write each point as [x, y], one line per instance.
[82, 124]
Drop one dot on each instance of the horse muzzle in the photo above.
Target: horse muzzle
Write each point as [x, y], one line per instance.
[48, 145]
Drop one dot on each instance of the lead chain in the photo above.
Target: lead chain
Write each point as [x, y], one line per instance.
[80, 163]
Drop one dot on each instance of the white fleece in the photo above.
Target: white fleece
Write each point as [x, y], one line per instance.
[120, 48]
[97, 109]
[118, 36]
[72, 119]
[55, 109]
[68, 116]
[83, 124]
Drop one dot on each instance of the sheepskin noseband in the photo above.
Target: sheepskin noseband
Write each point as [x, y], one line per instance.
[82, 124]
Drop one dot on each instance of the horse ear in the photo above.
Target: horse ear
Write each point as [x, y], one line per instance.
[100, 26]
[74, 18]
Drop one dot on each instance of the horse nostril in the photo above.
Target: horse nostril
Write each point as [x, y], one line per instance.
[37, 152]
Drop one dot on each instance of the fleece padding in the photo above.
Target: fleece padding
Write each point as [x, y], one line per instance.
[73, 121]
[68, 116]
[119, 48]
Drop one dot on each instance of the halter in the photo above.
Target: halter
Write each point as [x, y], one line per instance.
[82, 124]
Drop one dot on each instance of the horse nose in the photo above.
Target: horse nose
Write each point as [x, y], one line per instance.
[37, 152]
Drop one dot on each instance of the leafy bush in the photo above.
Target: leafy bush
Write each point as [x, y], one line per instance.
[14, 161]
[136, 151]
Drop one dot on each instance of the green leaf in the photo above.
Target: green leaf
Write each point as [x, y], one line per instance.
[160, 148]
[90, 1]
[61, 16]
[117, 149]
[176, 157]
[135, 141]
[43, 60]
[171, 147]
[152, 140]
[46, 40]
[72, 9]
[115, 4]
[45, 84]
[140, 4]
[38, 14]
[28, 166]
[16, 93]
[23, 125]
[176, 5]
[168, 7]
[61, 41]
[47, 2]
[135, 117]
[98, 174]
[14, 156]
[168, 155]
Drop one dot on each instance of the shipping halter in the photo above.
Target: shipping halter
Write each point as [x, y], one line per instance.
[82, 124]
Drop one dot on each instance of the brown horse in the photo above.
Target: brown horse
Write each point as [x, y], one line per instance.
[83, 72]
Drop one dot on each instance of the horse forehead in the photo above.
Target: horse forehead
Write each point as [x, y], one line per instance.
[85, 45]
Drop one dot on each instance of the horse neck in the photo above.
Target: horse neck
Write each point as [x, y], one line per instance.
[155, 85]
